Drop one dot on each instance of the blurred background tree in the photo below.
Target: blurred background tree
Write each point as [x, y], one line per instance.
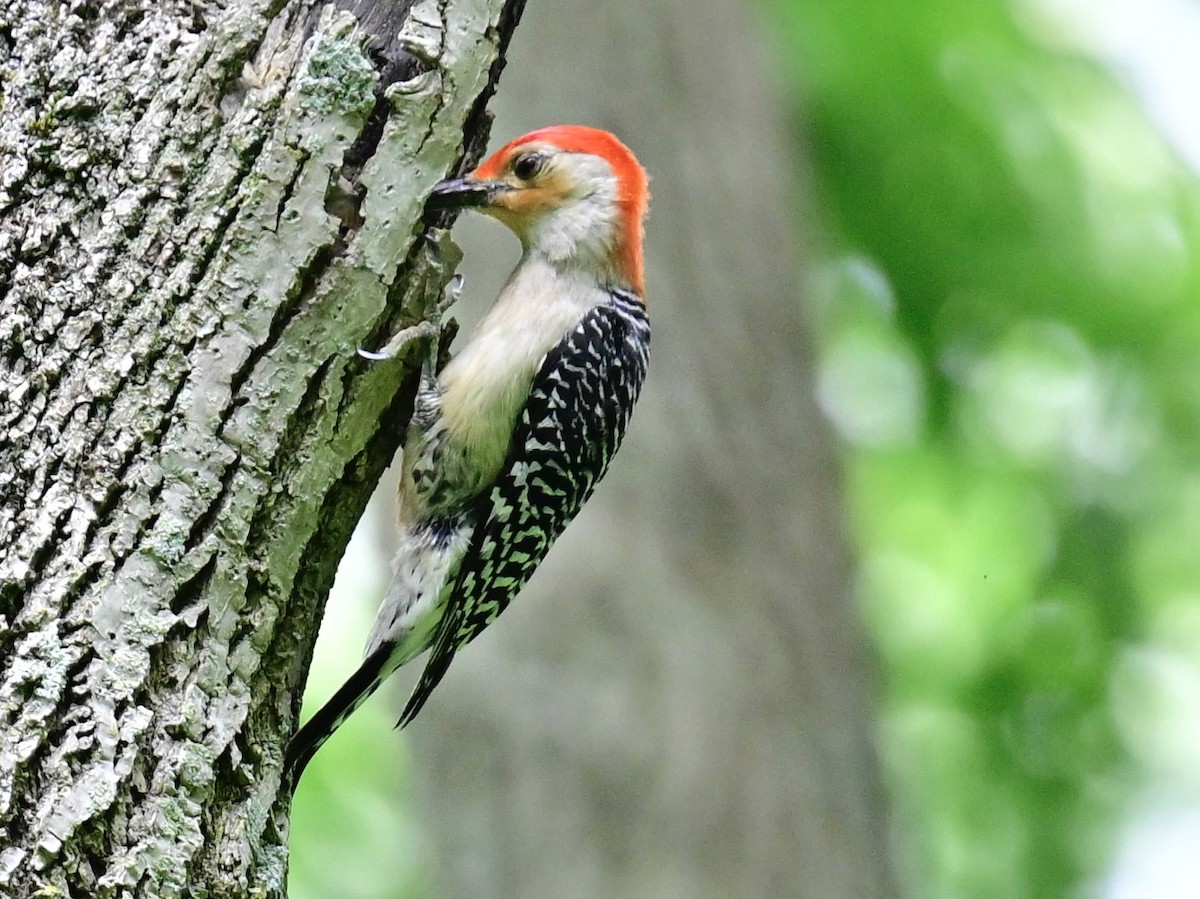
[1001, 210]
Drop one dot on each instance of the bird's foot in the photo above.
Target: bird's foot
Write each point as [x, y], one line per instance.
[450, 294]
[428, 330]
[431, 328]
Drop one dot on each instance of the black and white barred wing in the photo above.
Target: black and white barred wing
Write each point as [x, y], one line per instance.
[578, 407]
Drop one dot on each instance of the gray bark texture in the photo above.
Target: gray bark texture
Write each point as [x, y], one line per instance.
[204, 209]
[681, 703]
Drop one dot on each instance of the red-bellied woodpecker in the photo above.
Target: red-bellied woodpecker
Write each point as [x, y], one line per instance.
[509, 441]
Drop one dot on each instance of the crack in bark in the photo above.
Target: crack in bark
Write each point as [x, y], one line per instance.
[206, 522]
[152, 437]
[295, 300]
[302, 158]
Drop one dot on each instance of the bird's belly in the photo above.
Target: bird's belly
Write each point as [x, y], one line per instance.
[482, 398]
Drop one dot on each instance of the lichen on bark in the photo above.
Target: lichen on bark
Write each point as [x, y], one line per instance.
[204, 209]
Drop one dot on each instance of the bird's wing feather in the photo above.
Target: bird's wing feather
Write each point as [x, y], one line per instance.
[569, 429]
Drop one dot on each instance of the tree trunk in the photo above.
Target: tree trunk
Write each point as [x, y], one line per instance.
[204, 210]
[681, 703]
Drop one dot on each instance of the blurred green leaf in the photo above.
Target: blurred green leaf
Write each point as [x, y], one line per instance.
[1010, 336]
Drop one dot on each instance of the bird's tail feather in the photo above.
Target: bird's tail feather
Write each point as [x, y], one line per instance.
[373, 671]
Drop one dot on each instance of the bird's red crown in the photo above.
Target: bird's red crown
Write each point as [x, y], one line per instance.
[633, 197]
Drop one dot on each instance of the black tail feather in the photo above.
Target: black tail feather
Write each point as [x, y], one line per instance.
[320, 727]
[440, 656]
[435, 670]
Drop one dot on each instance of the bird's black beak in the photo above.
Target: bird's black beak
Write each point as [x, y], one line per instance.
[458, 193]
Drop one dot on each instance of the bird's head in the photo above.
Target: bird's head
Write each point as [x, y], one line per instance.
[574, 195]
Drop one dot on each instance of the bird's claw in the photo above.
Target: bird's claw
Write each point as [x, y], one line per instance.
[406, 336]
[431, 328]
[451, 293]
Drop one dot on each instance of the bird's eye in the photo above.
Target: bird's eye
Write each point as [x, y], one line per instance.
[528, 165]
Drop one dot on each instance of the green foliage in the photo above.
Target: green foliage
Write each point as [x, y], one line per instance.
[1009, 327]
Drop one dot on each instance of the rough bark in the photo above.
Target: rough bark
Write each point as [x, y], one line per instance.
[681, 702]
[204, 209]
